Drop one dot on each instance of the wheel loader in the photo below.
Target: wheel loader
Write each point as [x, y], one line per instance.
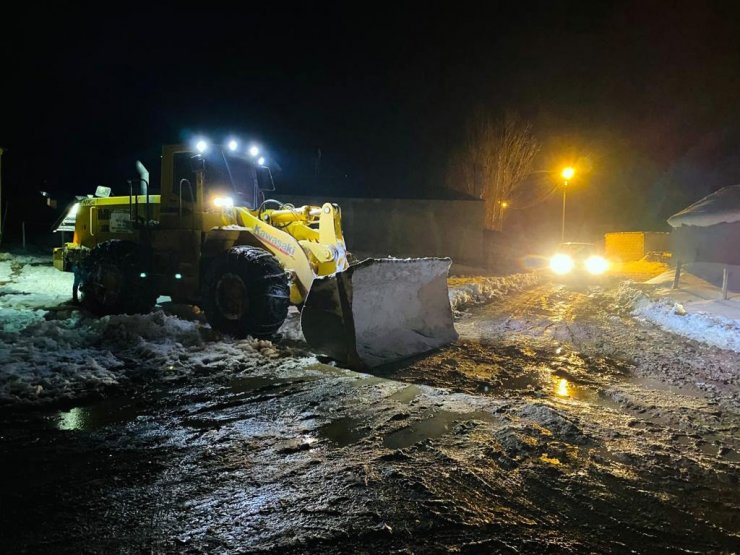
[209, 237]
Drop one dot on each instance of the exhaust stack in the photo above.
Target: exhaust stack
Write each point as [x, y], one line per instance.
[143, 178]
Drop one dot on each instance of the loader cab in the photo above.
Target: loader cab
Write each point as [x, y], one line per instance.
[191, 181]
[229, 176]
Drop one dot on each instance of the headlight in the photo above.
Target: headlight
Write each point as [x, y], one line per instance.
[596, 264]
[561, 264]
[223, 202]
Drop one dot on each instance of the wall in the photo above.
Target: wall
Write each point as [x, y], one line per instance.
[714, 243]
[633, 245]
[410, 227]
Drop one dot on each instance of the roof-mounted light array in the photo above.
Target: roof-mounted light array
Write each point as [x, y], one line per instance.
[202, 145]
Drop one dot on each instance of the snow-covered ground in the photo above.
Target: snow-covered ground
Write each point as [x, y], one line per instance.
[695, 310]
[50, 351]
[466, 292]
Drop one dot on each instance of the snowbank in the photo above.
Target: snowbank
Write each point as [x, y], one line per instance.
[49, 351]
[695, 310]
[467, 292]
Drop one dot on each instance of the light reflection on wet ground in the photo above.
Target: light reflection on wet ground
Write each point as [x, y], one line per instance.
[91, 417]
[564, 459]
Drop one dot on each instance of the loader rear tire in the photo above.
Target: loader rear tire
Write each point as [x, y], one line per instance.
[111, 282]
[246, 292]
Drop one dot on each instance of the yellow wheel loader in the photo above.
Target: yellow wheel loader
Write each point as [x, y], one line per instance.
[210, 238]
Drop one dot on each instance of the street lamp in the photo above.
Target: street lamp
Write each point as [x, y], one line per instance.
[567, 174]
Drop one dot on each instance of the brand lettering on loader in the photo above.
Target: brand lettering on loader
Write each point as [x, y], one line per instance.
[279, 244]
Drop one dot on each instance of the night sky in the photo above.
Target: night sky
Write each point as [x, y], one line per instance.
[647, 93]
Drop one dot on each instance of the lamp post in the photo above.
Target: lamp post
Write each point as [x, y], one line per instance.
[504, 205]
[567, 174]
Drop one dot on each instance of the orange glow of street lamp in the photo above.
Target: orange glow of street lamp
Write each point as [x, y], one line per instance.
[567, 174]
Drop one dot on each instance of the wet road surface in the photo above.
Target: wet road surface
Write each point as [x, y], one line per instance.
[555, 424]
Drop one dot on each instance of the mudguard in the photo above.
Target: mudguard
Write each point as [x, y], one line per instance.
[380, 310]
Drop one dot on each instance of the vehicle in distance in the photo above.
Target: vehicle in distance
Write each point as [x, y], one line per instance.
[578, 260]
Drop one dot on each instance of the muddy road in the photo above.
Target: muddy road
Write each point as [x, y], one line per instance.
[557, 423]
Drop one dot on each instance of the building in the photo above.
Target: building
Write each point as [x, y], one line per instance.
[706, 236]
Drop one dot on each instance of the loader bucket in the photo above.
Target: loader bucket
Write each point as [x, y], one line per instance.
[379, 311]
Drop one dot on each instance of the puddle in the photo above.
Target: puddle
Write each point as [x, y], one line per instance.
[344, 431]
[329, 370]
[550, 384]
[436, 425]
[566, 389]
[97, 416]
[406, 395]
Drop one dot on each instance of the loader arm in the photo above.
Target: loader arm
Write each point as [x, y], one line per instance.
[303, 250]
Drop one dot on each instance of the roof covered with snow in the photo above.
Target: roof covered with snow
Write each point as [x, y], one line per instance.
[721, 207]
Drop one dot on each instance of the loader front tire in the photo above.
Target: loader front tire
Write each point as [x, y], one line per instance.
[246, 292]
[111, 280]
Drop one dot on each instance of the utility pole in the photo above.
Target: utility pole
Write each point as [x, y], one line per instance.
[562, 228]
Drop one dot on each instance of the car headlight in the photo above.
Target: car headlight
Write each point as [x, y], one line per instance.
[596, 265]
[561, 264]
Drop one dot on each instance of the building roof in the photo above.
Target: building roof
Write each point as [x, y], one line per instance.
[721, 207]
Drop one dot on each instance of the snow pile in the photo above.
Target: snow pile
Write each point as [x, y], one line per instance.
[50, 351]
[695, 310]
[701, 326]
[467, 292]
[78, 356]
